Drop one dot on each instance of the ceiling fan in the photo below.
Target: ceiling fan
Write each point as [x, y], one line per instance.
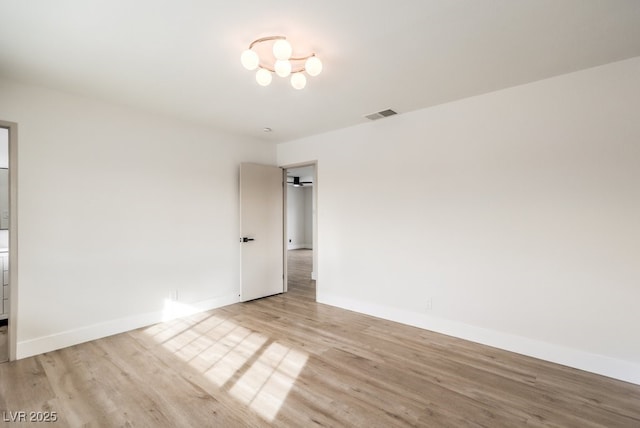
[297, 183]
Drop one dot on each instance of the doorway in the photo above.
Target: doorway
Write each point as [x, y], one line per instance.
[7, 194]
[300, 231]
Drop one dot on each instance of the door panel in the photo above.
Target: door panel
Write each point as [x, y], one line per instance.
[261, 231]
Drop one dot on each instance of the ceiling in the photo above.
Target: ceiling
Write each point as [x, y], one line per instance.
[181, 58]
[305, 173]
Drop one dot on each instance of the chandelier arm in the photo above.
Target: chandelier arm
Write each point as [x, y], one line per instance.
[293, 71]
[266, 67]
[302, 58]
[266, 39]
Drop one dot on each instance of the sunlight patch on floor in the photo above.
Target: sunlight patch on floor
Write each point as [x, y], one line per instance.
[221, 349]
[267, 383]
[173, 309]
[234, 358]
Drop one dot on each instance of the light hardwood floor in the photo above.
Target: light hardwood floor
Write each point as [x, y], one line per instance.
[288, 361]
[4, 344]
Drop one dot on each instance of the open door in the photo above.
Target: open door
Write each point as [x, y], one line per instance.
[261, 231]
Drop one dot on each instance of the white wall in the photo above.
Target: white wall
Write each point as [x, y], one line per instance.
[299, 217]
[118, 209]
[514, 214]
[308, 217]
[295, 217]
[4, 148]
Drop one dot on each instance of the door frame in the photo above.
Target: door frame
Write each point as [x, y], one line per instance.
[13, 236]
[314, 226]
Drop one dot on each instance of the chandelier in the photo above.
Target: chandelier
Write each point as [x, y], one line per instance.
[281, 63]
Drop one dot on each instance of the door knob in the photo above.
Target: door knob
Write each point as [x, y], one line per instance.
[245, 239]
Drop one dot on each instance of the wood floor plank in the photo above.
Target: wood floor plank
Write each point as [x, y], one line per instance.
[24, 386]
[289, 361]
[4, 344]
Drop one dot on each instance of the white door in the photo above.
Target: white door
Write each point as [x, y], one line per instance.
[261, 231]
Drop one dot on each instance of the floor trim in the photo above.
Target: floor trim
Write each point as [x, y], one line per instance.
[594, 363]
[40, 345]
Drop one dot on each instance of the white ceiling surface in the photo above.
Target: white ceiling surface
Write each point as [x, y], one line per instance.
[181, 58]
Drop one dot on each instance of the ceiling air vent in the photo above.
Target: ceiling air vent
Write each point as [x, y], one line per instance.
[381, 114]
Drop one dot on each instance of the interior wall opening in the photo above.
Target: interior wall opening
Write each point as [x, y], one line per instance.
[4, 243]
[300, 230]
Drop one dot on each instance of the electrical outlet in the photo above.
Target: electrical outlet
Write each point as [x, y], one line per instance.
[428, 304]
[174, 295]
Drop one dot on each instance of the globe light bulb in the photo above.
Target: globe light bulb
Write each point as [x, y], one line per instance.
[298, 81]
[283, 68]
[263, 77]
[282, 49]
[313, 66]
[249, 59]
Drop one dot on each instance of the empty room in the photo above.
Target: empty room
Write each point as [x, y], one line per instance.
[348, 214]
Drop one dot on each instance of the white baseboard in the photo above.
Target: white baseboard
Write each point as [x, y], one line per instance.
[299, 247]
[594, 363]
[67, 338]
